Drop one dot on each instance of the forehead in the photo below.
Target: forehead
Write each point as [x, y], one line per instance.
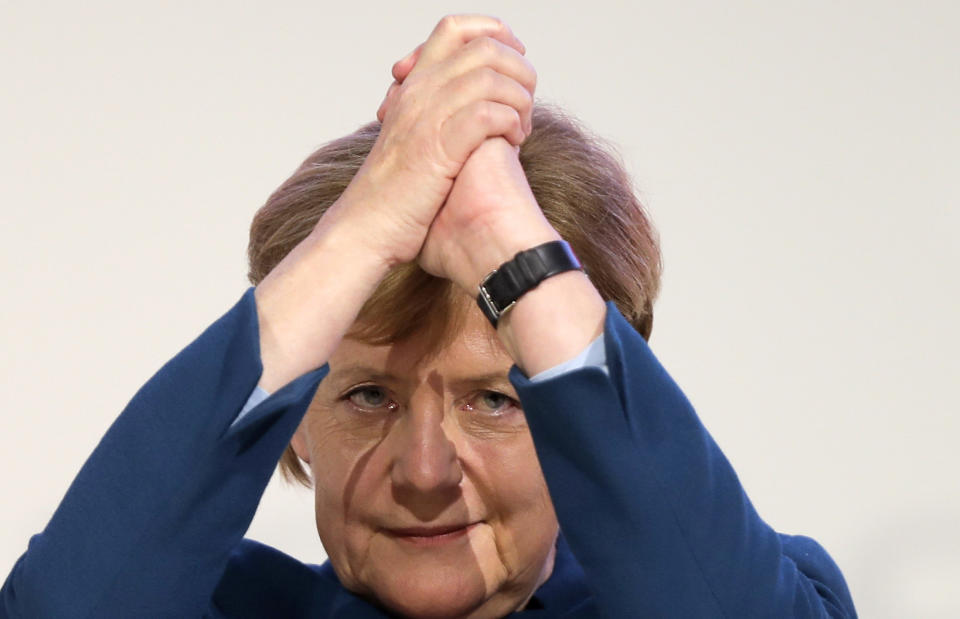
[473, 348]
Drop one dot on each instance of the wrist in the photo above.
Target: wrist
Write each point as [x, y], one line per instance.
[553, 322]
[310, 299]
[494, 243]
[503, 287]
[351, 226]
[349, 244]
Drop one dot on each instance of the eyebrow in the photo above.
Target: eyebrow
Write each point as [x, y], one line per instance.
[350, 373]
[491, 379]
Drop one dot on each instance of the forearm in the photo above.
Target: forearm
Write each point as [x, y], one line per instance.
[310, 299]
[650, 506]
[485, 238]
[147, 525]
[530, 330]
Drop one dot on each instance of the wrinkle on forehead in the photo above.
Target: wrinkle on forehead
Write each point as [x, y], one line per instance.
[473, 354]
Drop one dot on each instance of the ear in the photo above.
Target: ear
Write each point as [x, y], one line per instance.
[299, 443]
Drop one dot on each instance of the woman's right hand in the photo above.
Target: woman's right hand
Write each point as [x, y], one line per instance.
[467, 82]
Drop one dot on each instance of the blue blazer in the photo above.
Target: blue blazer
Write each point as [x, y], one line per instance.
[654, 520]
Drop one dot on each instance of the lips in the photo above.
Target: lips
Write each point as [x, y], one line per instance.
[427, 531]
[431, 534]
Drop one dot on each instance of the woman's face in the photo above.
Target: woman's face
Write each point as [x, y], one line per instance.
[429, 495]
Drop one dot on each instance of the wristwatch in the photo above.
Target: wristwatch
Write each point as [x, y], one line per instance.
[501, 289]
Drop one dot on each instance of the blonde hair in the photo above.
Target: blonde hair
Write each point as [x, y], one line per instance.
[579, 183]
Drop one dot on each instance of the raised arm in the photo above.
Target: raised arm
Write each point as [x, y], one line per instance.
[146, 527]
[652, 509]
[649, 505]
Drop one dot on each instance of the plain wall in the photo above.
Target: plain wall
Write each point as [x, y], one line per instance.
[800, 161]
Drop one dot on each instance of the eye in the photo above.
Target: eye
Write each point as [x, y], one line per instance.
[491, 403]
[371, 398]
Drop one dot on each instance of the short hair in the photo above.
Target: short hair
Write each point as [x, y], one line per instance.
[580, 185]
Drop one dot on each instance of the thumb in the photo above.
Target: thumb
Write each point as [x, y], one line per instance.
[401, 68]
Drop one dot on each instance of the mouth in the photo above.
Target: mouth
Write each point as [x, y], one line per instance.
[432, 536]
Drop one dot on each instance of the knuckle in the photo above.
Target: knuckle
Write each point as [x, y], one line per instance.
[490, 75]
[484, 113]
[447, 23]
[497, 24]
[485, 48]
[527, 100]
[488, 46]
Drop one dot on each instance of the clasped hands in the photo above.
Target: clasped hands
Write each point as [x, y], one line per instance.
[444, 175]
[443, 186]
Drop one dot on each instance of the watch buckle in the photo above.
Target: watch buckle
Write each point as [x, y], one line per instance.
[487, 304]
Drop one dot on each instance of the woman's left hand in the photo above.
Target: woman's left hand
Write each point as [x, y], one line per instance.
[488, 217]
[490, 213]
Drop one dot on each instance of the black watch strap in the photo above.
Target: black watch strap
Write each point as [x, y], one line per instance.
[501, 288]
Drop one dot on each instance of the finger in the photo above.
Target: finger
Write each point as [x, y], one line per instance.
[469, 127]
[483, 83]
[485, 51]
[387, 101]
[453, 31]
[402, 67]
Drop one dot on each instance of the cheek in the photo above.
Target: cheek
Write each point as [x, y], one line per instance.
[510, 472]
[344, 492]
[339, 456]
[512, 487]
[330, 461]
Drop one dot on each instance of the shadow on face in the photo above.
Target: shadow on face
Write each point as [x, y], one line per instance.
[429, 496]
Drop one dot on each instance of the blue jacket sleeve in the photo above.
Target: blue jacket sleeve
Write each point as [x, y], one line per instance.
[147, 526]
[652, 509]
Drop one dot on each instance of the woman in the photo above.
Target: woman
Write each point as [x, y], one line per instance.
[366, 352]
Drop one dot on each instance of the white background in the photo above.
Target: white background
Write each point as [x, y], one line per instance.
[799, 159]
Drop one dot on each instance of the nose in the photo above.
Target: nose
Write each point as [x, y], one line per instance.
[425, 461]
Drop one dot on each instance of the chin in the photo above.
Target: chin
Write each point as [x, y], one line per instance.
[424, 593]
